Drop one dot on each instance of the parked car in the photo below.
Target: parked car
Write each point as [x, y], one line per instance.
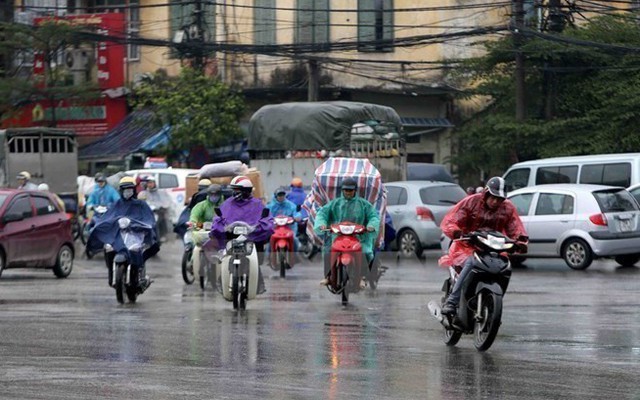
[635, 191]
[34, 232]
[580, 223]
[416, 208]
[417, 171]
[173, 180]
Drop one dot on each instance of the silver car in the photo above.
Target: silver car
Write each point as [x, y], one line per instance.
[580, 222]
[416, 209]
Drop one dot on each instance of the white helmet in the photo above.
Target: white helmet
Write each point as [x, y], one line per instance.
[44, 187]
[241, 182]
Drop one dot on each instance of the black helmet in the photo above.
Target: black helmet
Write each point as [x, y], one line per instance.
[100, 177]
[496, 187]
[349, 183]
[214, 189]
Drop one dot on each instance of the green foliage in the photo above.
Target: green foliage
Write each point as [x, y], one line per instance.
[201, 110]
[581, 99]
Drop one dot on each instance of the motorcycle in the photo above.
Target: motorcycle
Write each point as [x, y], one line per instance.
[124, 277]
[88, 224]
[161, 216]
[282, 244]
[480, 308]
[347, 261]
[240, 268]
[205, 263]
[306, 245]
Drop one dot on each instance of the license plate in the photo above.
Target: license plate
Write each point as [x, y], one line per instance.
[625, 225]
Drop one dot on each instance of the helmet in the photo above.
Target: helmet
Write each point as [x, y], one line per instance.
[24, 175]
[203, 184]
[280, 191]
[44, 187]
[127, 182]
[349, 183]
[241, 182]
[496, 187]
[214, 188]
[147, 178]
[296, 182]
[100, 177]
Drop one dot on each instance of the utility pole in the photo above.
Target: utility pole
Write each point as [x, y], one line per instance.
[314, 81]
[556, 25]
[519, 73]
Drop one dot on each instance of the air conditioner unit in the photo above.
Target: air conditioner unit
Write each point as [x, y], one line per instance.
[77, 59]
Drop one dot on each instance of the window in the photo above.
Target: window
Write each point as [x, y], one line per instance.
[517, 178]
[396, 196]
[264, 22]
[522, 202]
[44, 206]
[375, 25]
[22, 207]
[312, 23]
[615, 201]
[182, 19]
[564, 174]
[442, 195]
[168, 181]
[554, 204]
[607, 174]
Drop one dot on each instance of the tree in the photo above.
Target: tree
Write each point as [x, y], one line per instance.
[594, 72]
[20, 86]
[202, 111]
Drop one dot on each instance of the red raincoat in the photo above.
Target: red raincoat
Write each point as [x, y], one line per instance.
[472, 214]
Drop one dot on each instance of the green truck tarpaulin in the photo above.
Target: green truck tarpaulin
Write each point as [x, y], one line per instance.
[314, 125]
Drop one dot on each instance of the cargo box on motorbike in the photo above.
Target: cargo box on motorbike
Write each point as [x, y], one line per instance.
[326, 187]
[254, 176]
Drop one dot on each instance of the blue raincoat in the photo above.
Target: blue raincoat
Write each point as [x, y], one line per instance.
[103, 196]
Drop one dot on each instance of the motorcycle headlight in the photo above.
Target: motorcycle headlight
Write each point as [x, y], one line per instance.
[281, 221]
[240, 230]
[495, 242]
[347, 229]
[124, 222]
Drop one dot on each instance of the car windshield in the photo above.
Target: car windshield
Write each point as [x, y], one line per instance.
[442, 195]
[3, 197]
[616, 200]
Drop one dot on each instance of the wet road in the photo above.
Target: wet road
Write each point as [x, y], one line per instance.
[565, 335]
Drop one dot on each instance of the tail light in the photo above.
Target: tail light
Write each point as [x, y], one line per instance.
[424, 214]
[598, 219]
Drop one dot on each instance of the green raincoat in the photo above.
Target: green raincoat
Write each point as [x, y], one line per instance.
[204, 211]
[356, 210]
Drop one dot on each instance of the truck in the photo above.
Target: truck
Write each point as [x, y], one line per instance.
[292, 139]
[50, 155]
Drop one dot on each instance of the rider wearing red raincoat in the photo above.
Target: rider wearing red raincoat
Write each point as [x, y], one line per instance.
[487, 210]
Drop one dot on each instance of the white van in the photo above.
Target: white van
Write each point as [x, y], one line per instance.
[173, 180]
[621, 169]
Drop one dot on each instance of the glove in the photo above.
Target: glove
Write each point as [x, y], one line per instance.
[370, 229]
[522, 247]
[457, 234]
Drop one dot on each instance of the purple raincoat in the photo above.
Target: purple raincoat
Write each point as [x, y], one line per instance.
[245, 210]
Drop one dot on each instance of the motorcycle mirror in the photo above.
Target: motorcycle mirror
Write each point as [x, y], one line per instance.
[298, 208]
[217, 211]
[265, 212]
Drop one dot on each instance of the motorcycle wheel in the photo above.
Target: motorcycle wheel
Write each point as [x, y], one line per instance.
[282, 262]
[120, 289]
[235, 295]
[486, 327]
[344, 280]
[84, 233]
[187, 268]
[373, 276]
[204, 276]
[89, 254]
[451, 337]
[212, 275]
[242, 296]
[132, 289]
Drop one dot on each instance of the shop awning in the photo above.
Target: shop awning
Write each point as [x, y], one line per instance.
[415, 126]
[138, 132]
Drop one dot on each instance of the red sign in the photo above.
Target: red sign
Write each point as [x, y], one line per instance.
[97, 117]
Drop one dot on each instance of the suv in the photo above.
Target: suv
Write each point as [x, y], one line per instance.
[580, 223]
[34, 232]
[416, 208]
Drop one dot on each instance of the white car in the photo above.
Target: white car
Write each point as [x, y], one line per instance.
[172, 180]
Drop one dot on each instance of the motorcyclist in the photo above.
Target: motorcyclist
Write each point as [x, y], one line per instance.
[487, 210]
[242, 206]
[160, 202]
[297, 194]
[43, 187]
[279, 205]
[107, 229]
[352, 208]
[204, 211]
[102, 194]
[181, 226]
[24, 181]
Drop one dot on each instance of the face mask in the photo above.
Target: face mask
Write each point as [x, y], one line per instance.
[214, 198]
[127, 194]
[237, 195]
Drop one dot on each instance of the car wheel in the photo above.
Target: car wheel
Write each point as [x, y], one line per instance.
[409, 245]
[628, 260]
[2, 262]
[577, 254]
[64, 262]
